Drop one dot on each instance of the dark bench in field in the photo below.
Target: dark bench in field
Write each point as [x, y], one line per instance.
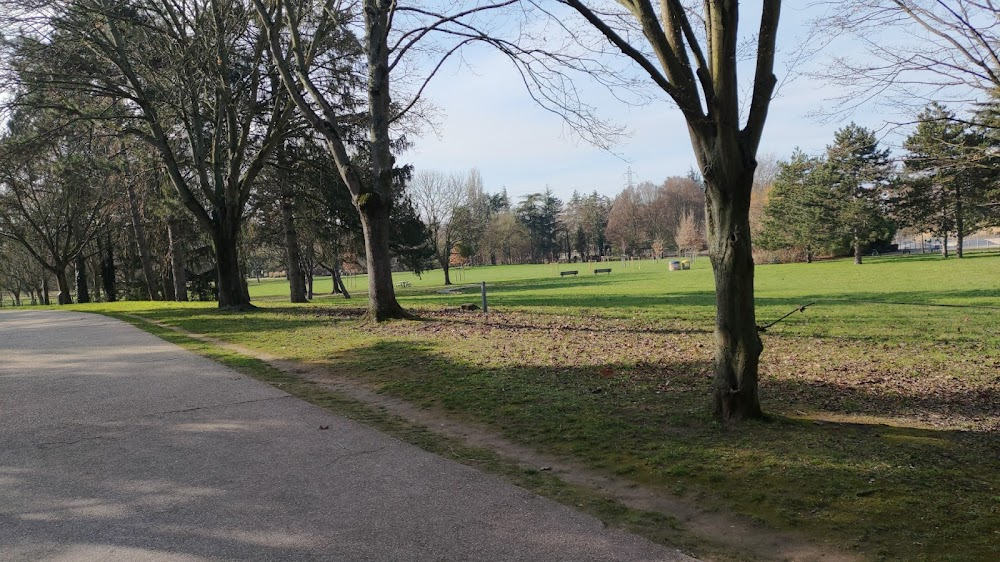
[606, 270]
[565, 273]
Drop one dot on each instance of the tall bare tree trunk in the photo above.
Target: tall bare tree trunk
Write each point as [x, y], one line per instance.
[62, 280]
[382, 303]
[82, 288]
[167, 281]
[293, 254]
[107, 252]
[944, 245]
[178, 272]
[231, 286]
[857, 250]
[375, 206]
[737, 343]
[338, 282]
[140, 241]
[959, 222]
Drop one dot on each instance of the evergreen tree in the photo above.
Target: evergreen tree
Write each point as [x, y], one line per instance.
[800, 214]
[941, 178]
[987, 161]
[859, 173]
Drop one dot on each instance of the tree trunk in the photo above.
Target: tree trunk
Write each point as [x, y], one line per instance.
[82, 289]
[106, 249]
[382, 303]
[338, 282]
[446, 267]
[293, 254]
[140, 241]
[97, 286]
[857, 250]
[231, 287]
[45, 290]
[168, 286]
[737, 343]
[333, 279]
[63, 282]
[375, 205]
[178, 272]
[959, 221]
[944, 245]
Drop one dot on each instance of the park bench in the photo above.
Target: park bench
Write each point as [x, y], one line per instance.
[565, 273]
[404, 283]
[605, 270]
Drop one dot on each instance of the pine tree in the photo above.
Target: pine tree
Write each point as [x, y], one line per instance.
[941, 177]
[859, 173]
[800, 213]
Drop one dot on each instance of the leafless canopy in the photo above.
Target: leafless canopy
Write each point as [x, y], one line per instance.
[913, 52]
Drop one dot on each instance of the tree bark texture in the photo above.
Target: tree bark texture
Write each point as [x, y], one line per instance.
[232, 288]
[63, 282]
[959, 222]
[107, 251]
[167, 281]
[737, 342]
[382, 303]
[178, 272]
[338, 283]
[375, 206]
[293, 255]
[82, 289]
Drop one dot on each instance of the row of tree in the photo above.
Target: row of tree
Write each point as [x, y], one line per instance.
[855, 196]
[467, 224]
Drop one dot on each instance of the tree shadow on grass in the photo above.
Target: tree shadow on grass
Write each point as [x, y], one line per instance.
[898, 491]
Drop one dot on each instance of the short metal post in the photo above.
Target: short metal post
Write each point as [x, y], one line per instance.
[483, 286]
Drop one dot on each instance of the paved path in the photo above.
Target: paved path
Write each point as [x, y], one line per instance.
[115, 445]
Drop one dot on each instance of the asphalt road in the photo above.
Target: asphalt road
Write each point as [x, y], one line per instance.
[115, 445]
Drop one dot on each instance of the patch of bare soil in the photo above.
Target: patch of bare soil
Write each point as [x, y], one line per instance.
[728, 532]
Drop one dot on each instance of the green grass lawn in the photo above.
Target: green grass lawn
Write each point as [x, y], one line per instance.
[883, 395]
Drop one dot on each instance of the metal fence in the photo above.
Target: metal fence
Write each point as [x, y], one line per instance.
[928, 244]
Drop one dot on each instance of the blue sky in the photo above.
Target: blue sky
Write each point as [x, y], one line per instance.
[488, 121]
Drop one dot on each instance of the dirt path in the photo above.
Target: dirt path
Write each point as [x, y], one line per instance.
[733, 534]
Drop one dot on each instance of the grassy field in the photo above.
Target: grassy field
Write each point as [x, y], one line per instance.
[883, 395]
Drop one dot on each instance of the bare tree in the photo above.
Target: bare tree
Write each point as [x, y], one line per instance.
[52, 200]
[625, 222]
[508, 238]
[689, 235]
[915, 51]
[393, 35]
[692, 56]
[437, 197]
